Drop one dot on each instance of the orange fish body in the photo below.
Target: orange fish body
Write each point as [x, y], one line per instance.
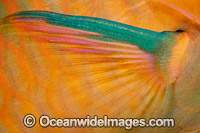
[50, 64]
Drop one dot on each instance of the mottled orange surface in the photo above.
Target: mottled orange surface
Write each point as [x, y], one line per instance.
[34, 79]
[148, 14]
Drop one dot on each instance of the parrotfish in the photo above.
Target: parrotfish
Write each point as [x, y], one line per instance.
[69, 66]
